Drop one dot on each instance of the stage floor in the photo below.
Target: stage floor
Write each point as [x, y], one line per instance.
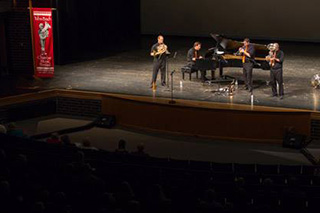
[130, 73]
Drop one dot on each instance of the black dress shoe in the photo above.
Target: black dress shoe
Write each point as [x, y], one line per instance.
[274, 95]
[281, 97]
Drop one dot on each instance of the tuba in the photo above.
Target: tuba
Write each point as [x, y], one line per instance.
[315, 81]
[271, 47]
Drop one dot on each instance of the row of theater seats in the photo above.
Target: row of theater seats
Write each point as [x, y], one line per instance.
[58, 178]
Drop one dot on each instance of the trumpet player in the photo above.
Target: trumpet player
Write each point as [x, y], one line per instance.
[248, 53]
[159, 52]
[275, 58]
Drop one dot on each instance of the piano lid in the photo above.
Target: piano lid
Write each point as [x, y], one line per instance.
[226, 44]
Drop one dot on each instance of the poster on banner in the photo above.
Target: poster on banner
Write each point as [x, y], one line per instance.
[43, 42]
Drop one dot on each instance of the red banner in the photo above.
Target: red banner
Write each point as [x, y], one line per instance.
[43, 42]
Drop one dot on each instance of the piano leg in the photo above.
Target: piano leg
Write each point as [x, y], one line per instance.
[221, 78]
[220, 69]
[213, 74]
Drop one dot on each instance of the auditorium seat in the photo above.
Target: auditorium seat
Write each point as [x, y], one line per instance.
[310, 170]
[245, 168]
[246, 187]
[267, 169]
[289, 169]
[313, 204]
[200, 165]
[222, 167]
[277, 179]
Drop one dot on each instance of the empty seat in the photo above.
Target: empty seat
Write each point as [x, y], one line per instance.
[222, 167]
[245, 168]
[313, 204]
[267, 169]
[200, 165]
[223, 177]
[179, 164]
[310, 170]
[290, 170]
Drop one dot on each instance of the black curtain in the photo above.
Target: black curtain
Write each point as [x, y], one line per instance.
[86, 29]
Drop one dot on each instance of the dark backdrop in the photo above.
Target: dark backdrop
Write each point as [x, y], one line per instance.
[293, 20]
[86, 29]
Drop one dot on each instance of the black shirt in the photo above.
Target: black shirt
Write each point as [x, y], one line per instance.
[278, 65]
[251, 51]
[192, 53]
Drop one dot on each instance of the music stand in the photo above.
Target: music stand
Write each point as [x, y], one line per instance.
[171, 100]
[167, 69]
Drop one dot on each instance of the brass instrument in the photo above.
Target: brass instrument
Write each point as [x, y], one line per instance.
[238, 52]
[315, 81]
[271, 47]
[161, 49]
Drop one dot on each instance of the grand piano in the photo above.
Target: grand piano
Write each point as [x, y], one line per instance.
[223, 55]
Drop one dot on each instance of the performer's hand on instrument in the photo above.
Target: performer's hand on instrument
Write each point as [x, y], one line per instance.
[200, 57]
[193, 59]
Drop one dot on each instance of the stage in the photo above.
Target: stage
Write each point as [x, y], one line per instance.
[130, 73]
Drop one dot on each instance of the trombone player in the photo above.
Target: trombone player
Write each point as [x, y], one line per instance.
[276, 58]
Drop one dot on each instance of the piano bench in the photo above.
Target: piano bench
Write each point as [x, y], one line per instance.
[189, 71]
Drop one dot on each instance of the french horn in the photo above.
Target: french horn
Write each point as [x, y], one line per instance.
[161, 49]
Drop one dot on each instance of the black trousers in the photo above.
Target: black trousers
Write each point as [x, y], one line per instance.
[202, 71]
[159, 64]
[203, 74]
[247, 74]
[276, 77]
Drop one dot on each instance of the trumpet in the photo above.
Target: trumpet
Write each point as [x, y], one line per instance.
[238, 52]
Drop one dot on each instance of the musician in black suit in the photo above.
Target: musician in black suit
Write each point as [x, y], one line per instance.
[248, 52]
[159, 52]
[276, 59]
[192, 56]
